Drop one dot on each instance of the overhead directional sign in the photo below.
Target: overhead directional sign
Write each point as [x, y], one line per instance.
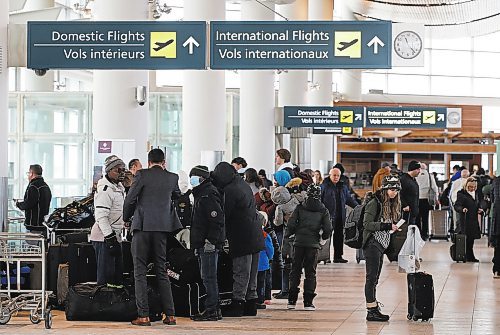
[323, 117]
[405, 117]
[300, 45]
[117, 45]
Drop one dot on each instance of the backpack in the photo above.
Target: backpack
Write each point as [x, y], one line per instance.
[444, 197]
[353, 226]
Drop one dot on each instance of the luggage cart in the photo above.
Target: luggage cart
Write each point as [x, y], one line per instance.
[17, 248]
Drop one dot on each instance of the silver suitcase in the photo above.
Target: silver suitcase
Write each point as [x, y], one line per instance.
[438, 224]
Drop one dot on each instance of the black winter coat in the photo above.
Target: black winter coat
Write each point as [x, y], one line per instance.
[243, 230]
[468, 223]
[208, 216]
[329, 199]
[306, 222]
[36, 204]
[409, 194]
[495, 212]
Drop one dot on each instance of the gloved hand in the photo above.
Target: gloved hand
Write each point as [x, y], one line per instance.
[208, 247]
[112, 244]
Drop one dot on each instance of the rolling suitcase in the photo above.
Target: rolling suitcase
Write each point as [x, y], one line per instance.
[82, 263]
[420, 296]
[189, 299]
[438, 224]
[360, 255]
[57, 254]
[457, 249]
[324, 252]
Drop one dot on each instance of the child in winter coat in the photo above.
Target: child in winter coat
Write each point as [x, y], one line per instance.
[309, 222]
[264, 274]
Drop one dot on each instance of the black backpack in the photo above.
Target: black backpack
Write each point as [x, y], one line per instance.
[444, 197]
[353, 226]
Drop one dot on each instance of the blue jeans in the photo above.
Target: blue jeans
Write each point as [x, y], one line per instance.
[109, 267]
[208, 268]
[264, 284]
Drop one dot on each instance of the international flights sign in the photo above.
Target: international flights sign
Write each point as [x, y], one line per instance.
[117, 45]
[405, 117]
[300, 45]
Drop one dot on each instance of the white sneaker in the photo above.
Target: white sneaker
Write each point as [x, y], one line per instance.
[309, 307]
[496, 275]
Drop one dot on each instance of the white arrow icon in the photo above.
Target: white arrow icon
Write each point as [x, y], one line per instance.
[440, 117]
[376, 42]
[358, 117]
[190, 42]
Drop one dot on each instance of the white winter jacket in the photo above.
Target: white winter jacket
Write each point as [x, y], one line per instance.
[108, 204]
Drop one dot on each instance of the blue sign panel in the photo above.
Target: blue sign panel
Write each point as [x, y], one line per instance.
[300, 45]
[405, 117]
[323, 117]
[116, 45]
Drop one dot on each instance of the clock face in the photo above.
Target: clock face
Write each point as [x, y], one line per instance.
[453, 117]
[408, 44]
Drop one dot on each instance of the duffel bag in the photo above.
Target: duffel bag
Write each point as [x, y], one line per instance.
[91, 302]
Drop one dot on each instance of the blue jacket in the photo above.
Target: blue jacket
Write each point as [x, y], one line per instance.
[266, 255]
[329, 198]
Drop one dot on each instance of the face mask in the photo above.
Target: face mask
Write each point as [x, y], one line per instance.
[194, 181]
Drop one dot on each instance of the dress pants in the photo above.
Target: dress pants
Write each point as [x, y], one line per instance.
[154, 244]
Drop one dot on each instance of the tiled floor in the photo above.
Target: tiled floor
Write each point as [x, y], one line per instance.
[467, 302]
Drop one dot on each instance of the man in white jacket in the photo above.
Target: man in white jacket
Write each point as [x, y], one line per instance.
[427, 189]
[106, 232]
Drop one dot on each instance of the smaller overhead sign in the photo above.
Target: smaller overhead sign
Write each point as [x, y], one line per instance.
[406, 117]
[333, 131]
[323, 117]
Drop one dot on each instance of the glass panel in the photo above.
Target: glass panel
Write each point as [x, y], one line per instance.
[483, 64]
[12, 117]
[456, 63]
[408, 84]
[173, 149]
[490, 119]
[170, 114]
[464, 43]
[489, 42]
[415, 69]
[452, 86]
[41, 113]
[486, 87]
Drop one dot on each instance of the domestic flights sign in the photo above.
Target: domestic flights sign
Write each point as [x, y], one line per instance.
[117, 45]
[324, 117]
[300, 45]
[406, 117]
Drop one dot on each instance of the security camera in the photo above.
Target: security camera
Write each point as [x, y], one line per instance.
[141, 95]
[40, 72]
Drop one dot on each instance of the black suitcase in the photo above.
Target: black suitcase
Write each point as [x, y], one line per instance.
[225, 273]
[183, 266]
[324, 252]
[82, 263]
[57, 254]
[189, 299]
[420, 296]
[90, 302]
[457, 249]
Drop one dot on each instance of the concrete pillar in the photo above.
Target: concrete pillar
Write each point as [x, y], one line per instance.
[257, 103]
[116, 113]
[32, 82]
[323, 147]
[203, 96]
[4, 109]
[293, 90]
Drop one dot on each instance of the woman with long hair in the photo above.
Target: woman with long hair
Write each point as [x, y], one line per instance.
[253, 180]
[318, 178]
[382, 212]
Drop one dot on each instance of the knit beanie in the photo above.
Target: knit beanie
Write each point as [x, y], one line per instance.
[111, 162]
[282, 177]
[313, 191]
[391, 181]
[201, 171]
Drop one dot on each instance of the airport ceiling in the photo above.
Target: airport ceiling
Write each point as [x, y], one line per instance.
[444, 18]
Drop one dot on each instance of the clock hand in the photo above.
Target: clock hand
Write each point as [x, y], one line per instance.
[409, 46]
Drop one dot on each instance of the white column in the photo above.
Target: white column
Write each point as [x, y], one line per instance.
[257, 103]
[116, 113]
[32, 82]
[322, 146]
[293, 86]
[4, 108]
[203, 96]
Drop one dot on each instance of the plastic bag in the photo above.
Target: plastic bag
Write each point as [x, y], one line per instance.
[409, 256]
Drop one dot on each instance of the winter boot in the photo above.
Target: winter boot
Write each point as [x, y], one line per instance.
[292, 298]
[308, 301]
[374, 314]
[234, 309]
[250, 308]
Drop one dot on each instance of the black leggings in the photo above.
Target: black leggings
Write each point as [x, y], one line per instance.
[374, 258]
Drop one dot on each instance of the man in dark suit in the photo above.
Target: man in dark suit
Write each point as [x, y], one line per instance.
[149, 201]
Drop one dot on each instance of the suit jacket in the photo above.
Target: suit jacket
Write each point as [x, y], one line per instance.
[149, 201]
